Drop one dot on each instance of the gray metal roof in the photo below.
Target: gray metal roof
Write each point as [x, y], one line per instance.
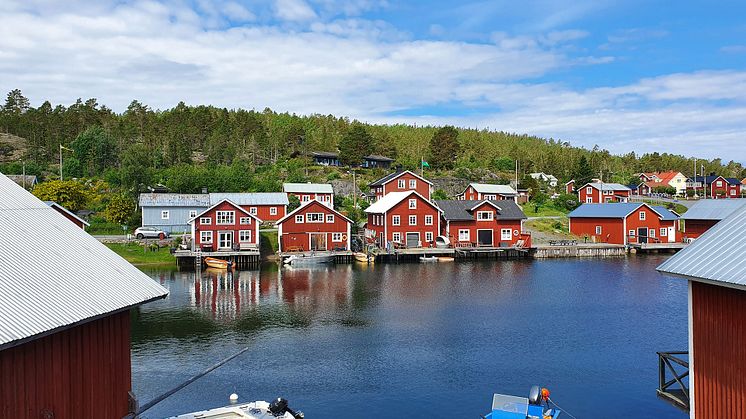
[617, 210]
[717, 255]
[251, 198]
[609, 186]
[391, 176]
[174, 200]
[307, 188]
[54, 275]
[461, 210]
[488, 188]
[713, 209]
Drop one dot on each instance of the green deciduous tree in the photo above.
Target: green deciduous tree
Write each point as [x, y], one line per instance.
[119, 209]
[444, 148]
[71, 194]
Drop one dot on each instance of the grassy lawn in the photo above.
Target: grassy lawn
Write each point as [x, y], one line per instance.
[138, 255]
[268, 244]
[556, 227]
[544, 211]
[680, 209]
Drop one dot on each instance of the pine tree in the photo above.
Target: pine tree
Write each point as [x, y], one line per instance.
[444, 148]
[355, 145]
[583, 172]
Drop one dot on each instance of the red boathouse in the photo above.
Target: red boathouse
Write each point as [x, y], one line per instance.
[705, 213]
[68, 214]
[483, 223]
[314, 226]
[225, 226]
[401, 182]
[405, 219]
[625, 223]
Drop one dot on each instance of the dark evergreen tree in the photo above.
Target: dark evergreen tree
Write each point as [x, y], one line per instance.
[355, 145]
[444, 148]
[583, 172]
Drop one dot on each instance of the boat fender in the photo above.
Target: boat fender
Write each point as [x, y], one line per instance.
[344, 237]
[534, 395]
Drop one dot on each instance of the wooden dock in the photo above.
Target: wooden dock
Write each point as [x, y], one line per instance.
[340, 256]
[656, 247]
[239, 258]
[579, 251]
[414, 254]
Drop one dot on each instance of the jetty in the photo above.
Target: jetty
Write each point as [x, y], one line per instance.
[239, 258]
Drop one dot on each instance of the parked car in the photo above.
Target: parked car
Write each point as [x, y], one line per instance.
[150, 233]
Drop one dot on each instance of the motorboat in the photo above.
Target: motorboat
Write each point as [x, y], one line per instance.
[535, 406]
[446, 259]
[428, 259]
[278, 409]
[364, 257]
[308, 259]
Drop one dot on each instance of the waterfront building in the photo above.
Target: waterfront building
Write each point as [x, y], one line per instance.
[705, 213]
[267, 206]
[65, 303]
[306, 192]
[625, 223]
[314, 226]
[600, 193]
[405, 219]
[225, 226]
[487, 191]
[715, 269]
[485, 223]
[68, 214]
[401, 181]
[716, 187]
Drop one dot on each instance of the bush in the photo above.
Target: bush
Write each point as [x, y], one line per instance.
[690, 193]
[440, 194]
[566, 202]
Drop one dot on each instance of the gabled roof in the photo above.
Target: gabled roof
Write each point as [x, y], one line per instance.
[307, 188]
[713, 209]
[711, 178]
[668, 176]
[607, 186]
[251, 198]
[378, 157]
[174, 200]
[66, 211]
[618, 210]
[292, 213]
[233, 204]
[390, 200]
[464, 210]
[570, 181]
[54, 275]
[391, 176]
[30, 180]
[488, 188]
[325, 154]
[716, 256]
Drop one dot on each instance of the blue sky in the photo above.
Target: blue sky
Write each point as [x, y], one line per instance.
[632, 75]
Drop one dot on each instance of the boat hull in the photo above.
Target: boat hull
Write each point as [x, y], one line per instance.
[301, 260]
[218, 263]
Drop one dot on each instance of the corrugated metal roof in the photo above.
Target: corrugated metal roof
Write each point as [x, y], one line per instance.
[389, 200]
[609, 186]
[67, 211]
[307, 188]
[616, 210]
[461, 210]
[489, 188]
[251, 198]
[174, 200]
[717, 255]
[713, 209]
[53, 274]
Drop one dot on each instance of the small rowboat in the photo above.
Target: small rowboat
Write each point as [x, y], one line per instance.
[218, 263]
[428, 259]
[536, 405]
[445, 259]
[305, 260]
[364, 258]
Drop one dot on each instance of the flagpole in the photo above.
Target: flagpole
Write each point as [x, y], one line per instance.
[60, 161]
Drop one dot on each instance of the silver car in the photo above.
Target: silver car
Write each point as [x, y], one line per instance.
[150, 233]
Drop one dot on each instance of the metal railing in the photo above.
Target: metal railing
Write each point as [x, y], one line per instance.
[675, 389]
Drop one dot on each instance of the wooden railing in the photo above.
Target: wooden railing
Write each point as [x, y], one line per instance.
[676, 389]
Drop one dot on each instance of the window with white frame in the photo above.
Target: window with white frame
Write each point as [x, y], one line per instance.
[664, 232]
[505, 234]
[589, 189]
[485, 215]
[245, 220]
[490, 197]
[315, 217]
[401, 184]
[336, 237]
[329, 218]
[396, 220]
[651, 232]
[164, 215]
[598, 229]
[205, 220]
[305, 198]
[272, 210]
[192, 214]
[413, 220]
[719, 183]
[225, 217]
[631, 233]
[588, 200]
[252, 210]
[733, 192]
[642, 215]
[463, 235]
[428, 236]
[412, 183]
[244, 236]
[396, 237]
[412, 204]
[299, 219]
[205, 237]
[428, 220]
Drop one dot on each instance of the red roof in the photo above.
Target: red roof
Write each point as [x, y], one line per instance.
[666, 177]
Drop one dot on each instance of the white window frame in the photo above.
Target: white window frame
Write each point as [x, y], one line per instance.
[664, 232]
[165, 214]
[412, 204]
[206, 221]
[428, 220]
[244, 221]
[651, 232]
[229, 218]
[395, 220]
[305, 198]
[490, 197]
[272, 210]
[192, 214]
[412, 183]
[588, 199]
[330, 218]
[318, 217]
[337, 237]
[464, 235]
[481, 216]
[631, 233]
[401, 184]
[733, 192]
[242, 236]
[598, 229]
[428, 236]
[300, 219]
[396, 237]
[506, 234]
[412, 218]
[252, 210]
[643, 215]
[719, 183]
[589, 190]
[205, 237]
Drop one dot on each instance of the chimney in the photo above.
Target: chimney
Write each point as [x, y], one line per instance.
[204, 190]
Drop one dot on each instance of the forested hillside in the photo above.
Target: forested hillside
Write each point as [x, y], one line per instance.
[144, 145]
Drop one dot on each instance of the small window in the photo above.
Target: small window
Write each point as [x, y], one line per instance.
[412, 204]
[505, 234]
[642, 215]
[589, 189]
[329, 218]
[490, 197]
[336, 237]
[244, 236]
[192, 214]
[305, 198]
[664, 232]
[733, 192]
[485, 215]
[588, 200]
[463, 235]
[225, 217]
[413, 220]
[401, 184]
[428, 236]
[299, 219]
[428, 220]
[252, 210]
[719, 183]
[205, 237]
[396, 237]
[315, 217]
[651, 232]
[395, 220]
[598, 229]
[272, 210]
[245, 220]
[205, 220]
[164, 215]
[632, 233]
[412, 183]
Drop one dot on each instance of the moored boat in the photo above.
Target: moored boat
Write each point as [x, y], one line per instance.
[363, 257]
[218, 263]
[535, 406]
[312, 259]
[428, 259]
[278, 409]
[445, 259]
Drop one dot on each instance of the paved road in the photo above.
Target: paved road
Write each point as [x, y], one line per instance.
[656, 200]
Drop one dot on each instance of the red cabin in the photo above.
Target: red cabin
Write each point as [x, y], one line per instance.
[716, 187]
[570, 187]
[401, 182]
[405, 219]
[625, 223]
[225, 226]
[600, 193]
[306, 192]
[487, 191]
[68, 214]
[267, 206]
[483, 223]
[314, 226]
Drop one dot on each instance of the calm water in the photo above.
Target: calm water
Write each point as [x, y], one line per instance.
[415, 340]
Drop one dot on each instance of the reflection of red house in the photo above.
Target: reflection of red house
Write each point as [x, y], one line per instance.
[225, 226]
[599, 193]
[625, 223]
[405, 219]
[401, 182]
[314, 226]
[483, 223]
[68, 214]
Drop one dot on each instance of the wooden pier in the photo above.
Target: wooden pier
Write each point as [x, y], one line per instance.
[578, 251]
[656, 247]
[340, 256]
[414, 254]
[239, 258]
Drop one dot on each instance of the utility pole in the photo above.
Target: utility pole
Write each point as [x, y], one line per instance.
[24, 175]
[354, 190]
[704, 181]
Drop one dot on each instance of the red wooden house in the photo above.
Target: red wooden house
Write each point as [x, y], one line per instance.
[716, 187]
[64, 316]
[314, 226]
[306, 192]
[225, 226]
[486, 191]
[68, 214]
[599, 193]
[406, 219]
[267, 206]
[625, 223]
[483, 223]
[570, 187]
[716, 273]
[401, 182]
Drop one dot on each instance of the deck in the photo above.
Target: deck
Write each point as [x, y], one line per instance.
[340, 256]
[656, 247]
[240, 258]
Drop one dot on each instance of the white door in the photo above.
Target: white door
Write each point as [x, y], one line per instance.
[225, 239]
[671, 234]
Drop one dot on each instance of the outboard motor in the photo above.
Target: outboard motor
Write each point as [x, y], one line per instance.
[279, 407]
[534, 395]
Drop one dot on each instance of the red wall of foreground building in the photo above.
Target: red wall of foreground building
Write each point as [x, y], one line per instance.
[422, 187]
[695, 228]
[78, 373]
[717, 355]
[402, 210]
[253, 226]
[612, 229]
[652, 221]
[298, 235]
[495, 226]
[263, 212]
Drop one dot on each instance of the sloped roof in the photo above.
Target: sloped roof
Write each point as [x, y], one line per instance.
[462, 210]
[30, 180]
[668, 176]
[711, 178]
[54, 275]
[326, 208]
[174, 200]
[713, 209]
[233, 204]
[389, 200]
[717, 256]
[251, 198]
[378, 157]
[488, 188]
[618, 210]
[608, 186]
[391, 176]
[307, 188]
[67, 211]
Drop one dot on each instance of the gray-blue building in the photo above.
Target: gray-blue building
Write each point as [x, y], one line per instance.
[171, 211]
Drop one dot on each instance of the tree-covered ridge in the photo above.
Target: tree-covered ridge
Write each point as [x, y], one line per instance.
[142, 139]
